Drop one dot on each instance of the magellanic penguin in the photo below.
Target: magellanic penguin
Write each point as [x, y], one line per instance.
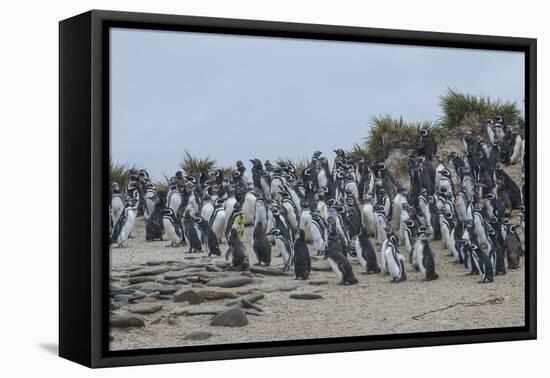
[395, 261]
[173, 228]
[235, 221]
[425, 258]
[285, 246]
[482, 263]
[208, 238]
[190, 233]
[302, 261]
[512, 246]
[261, 245]
[154, 225]
[339, 263]
[496, 253]
[237, 252]
[150, 193]
[125, 224]
[218, 219]
[305, 219]
[365, 252]
[368, 216]
[318, 228]
[117, 202]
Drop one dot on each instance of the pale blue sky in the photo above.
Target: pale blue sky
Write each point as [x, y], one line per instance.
[240, 97]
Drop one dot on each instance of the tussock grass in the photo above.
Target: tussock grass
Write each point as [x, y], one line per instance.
[194, 165]
[120, 173]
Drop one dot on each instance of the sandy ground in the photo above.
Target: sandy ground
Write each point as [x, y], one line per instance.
[374, 306]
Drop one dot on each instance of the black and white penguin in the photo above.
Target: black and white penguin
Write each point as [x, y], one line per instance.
[424, 257]
[365, 252]
[368, 216]
[339, 263]
[190, 233]
[291, 211]
[117, 202]
[512, 246]
[507, 186]
[154, 225]
[285, 246]
[466, 248]
[280, 222]
[218, 219]
[381, 224]
[261, 245]
[149, 194]
[480, 226]
[394, 260]
[302, 261]
[173, 197]
[318, 228]
[172, 227]
[125, 223]
[458, 164]
[426, 146]
[496, 252]
[482, 263]
[209, 240]
[236, 221]
[237, 252]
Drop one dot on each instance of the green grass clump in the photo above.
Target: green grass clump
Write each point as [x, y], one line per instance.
[471, 111]
[194, 165]
[120, 173]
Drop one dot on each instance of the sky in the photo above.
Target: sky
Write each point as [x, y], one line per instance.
[240, 97]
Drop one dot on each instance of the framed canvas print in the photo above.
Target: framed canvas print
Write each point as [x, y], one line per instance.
[234, 188]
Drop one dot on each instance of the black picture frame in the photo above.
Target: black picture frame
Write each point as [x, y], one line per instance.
[84, 156]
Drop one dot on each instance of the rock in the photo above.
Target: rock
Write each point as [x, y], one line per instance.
[179, 311]
[122, 291]
[124, 321]
[248, 304]
[214, 294]
[169, 289]
[182, 281]
[115, 306]
[205, 310]
[306, 296]
[161, 262]
[267, 271]
[322, 266]
[235, 281]
[213, 268]
[250, 298]
[266, 288]
[198, 336]
[234, 317]
[222, 264]
[288, 286]
[150, 287]
[137, 295]
[140, 279]
[156, 320]
[188, 295]
[318, 282]
[172, 320]
[153, 271]
[146, 308]
[122, 297]
[174, 275]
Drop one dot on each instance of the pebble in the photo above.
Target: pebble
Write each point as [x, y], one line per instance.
[230, 281]
[140, 279]
[188, 295]
[234, 317]
[153, 271]
[306, 296]
[288, 286]
[198, 336]
[149, 287]
[267, 271]
[124, 321]
[169, 289]
[256, 296]
[214, 294]
[248, 304]
[146, 308]
[318, 282]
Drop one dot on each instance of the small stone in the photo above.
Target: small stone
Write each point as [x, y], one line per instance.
[156, 320]
[267, 271]
[169, 289]
[213, 268]
[150, 287]
[288, 286]
[122, 291]
[150, 271]
[137, 295]
[176, 274]
[318, 282]
[306, 296]
[222, 264]
[214, 294]
[234, 317]
[124, 321]
[230, 281]
[249, 297]
[172, 320]
[248, 304]
[205, 310]
[188, 295]
[146, 308]
[179, 311]
[140, 279]
[198, 336]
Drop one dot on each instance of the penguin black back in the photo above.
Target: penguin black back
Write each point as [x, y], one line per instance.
[261, 245]
[302, 261]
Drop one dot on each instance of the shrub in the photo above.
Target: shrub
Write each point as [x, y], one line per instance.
[194, 165]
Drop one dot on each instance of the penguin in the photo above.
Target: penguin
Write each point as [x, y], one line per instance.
[365, 252]
[173, 198]
[150, 192]
[209, 240]
[260, 211]
[496, 253]
[398, 201]
[495, 208]
[423, 202]
[466, 251]
[207, 207]
[458, 164]
[249, 207]
[236, 221]
[512, 246]
[218, 219]
[426, 146]
[424, 256]
[125, 224]
[479, 226]
[285, 246]
[280, 223]
[291, 212]
[154, 225]
[368, 218]
[318, 229]
[172, 227]
[261, 245]
[302, 261]
[190, 233]
[482, 263]
[409, 237]
[507, 185]
[230, 202]
[395, 261]
[237, 252]
[117, 202]
[305, 220]
[339, 263]
[381, 225]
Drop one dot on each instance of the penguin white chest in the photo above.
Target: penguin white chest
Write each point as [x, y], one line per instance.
[336, 269]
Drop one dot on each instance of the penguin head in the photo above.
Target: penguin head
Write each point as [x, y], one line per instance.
[339, 152]
[301, 234]
[409, 223]
[317, 154]
[274, 231]
[275, 210]
[219, 202]
[198, 220]
[315, 215]
[424, 132]
[114, 187]
[168, 211]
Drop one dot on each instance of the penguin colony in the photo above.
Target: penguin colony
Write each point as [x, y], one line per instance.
[350, 209]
